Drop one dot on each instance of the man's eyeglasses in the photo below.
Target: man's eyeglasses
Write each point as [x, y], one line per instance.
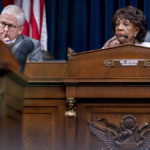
[10, 26]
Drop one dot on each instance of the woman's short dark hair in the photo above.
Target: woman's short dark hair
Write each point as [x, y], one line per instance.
[135, 16]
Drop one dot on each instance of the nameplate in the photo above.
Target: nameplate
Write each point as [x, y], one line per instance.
[127, 62]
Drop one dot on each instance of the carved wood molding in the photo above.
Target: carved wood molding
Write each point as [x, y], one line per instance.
[70, 107]
[1, 95]
[127, 136]
[70, 53]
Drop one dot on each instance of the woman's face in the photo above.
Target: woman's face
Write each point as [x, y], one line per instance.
[125, 28]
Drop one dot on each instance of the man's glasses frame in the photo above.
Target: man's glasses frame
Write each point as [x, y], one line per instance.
[11, 27]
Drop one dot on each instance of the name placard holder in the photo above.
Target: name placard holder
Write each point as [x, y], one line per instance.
[127, 62]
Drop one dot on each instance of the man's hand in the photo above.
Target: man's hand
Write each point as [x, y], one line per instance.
[4, 38]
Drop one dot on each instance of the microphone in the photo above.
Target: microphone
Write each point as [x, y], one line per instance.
[125, 36]
[22, 50]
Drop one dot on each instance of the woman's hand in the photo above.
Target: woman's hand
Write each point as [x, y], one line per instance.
[112, 42]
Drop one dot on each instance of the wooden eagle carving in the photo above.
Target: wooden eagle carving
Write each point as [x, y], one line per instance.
[123, 137]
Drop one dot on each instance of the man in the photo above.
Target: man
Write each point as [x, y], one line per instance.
[24, 48]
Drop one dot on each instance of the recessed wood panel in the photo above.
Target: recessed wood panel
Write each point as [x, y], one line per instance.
[43, 125]
[111, 112]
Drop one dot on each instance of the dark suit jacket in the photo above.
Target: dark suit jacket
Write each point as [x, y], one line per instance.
[25, 49]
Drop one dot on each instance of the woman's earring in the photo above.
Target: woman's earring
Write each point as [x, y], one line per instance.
[134, 36]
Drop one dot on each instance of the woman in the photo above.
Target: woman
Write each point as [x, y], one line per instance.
[129, 26]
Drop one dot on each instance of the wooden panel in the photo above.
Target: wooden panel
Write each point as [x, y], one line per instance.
[113, 112]
[11, 133]
[45, 92]
[91, 64]
[113, 91]
[11, 105]
[71, 125]
[53, 69]
[43, 125]
[8, 58]
[86, 79]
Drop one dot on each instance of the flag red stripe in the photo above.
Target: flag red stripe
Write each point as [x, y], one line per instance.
[7, 2]
[42, 2]
[34, 26]
[35, 33]
[26, 29]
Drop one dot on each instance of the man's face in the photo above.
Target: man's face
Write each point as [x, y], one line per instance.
[9, 27]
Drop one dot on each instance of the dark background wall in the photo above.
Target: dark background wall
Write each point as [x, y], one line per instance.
[83, 24]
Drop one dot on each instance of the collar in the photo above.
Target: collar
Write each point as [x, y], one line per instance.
[13, 41]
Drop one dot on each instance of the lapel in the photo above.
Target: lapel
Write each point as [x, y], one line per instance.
[15, 45]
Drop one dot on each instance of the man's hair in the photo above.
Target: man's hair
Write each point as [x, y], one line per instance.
[135, 16]
[16, 11]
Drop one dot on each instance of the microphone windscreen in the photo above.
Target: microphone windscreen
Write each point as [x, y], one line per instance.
[126, 37]
[22, 51]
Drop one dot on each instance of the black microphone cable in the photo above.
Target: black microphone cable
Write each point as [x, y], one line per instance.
[125, 36]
